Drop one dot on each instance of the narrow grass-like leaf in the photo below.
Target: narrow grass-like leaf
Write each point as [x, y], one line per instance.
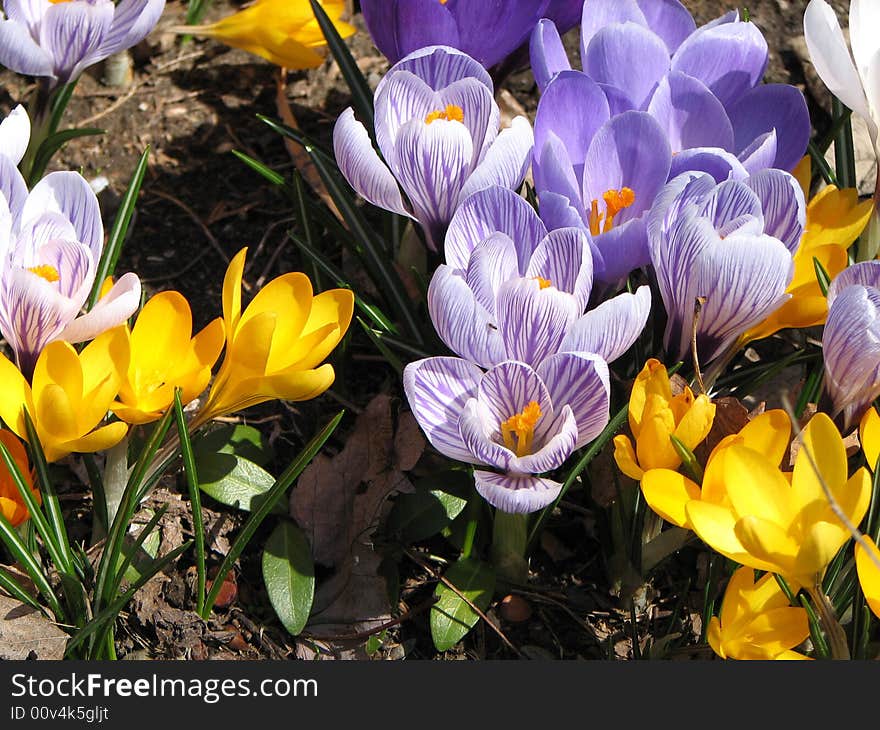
[810, 391]
[195, 11]
[50, 497]
[289, 575]
[361, 94]
[257, 516]
[688, 460]
[821, 276]
[109, 614]
[821, 165]
[258, 167]
[14, 589]
[52, 144]
[376, 339]
[818, 638]
[305, 223]
[844, 154]
[35, 571]
[195, 499]
[110, 254]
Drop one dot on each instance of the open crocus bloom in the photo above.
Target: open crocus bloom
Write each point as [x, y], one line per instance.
[165, 356]
[655, 415]
[518, 421]
[757, 621]
[12, 506]
[731, 244]
[702, 85]
[274, 348]
[851, 341]
[835, 218]
[69, 396]
[437, 129]
[755, 514]
[284, 32]
[511, 290]
[486, 31]
[59, 39]
[50, 245]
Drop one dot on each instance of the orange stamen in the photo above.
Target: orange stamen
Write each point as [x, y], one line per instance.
[615, 201]
[518, 431]
[542, 282]
[44, 271]
[451, 113]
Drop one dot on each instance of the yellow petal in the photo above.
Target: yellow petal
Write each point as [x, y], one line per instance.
[252, 345]
[100, 439]
[59, 365]
[667, 493]
[104, 362]
[715, 526]
[869, 435]
[778, 630]
[715, 638]
[869, 573]
[232, 292]
[754, 486]
[736, 605]
[768, 434]
[160, 335]
[767, 545]
[803, 173]
[821, 458]
[696, 423]
[653, 447]
[653, 379]
[818, 547]
[15, 397]
[625, 457]
[56, 416]
[328, 321]
[835, 217]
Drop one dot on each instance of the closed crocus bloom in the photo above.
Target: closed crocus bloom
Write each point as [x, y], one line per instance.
[12, 506]
[668, 492]
[274, 348]
[868, 568]
[511, 290]
[835, 219]
[851, 341]
[513, 421]
[15, 135]
[69, 396]
[284, 32]
[437, 127]
[730, 244]
[51, 240]
[755, 514]
[165, 356]
[655, 415]
[59, 39]
[757, 621]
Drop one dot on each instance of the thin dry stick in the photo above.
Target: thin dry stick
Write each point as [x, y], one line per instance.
[698, 309]
[468, 601]
[112, 108]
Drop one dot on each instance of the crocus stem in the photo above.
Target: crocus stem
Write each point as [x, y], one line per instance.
[833, 630]
[115, 478]
[509, 540]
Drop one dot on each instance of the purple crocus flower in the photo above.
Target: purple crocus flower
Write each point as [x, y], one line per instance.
[731, 243]
[851, 341]
[514, 421]
[59, 40]
[50, 244]
[488, 30]
[598, 172]
[511, 290]
[702, 85]
[437, 128]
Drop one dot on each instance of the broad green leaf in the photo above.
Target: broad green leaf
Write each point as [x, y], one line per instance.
[241, 440]
[289, 574]
[419, 515]
[451, 617]
[235, 481]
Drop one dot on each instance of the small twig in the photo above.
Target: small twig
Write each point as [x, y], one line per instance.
[698, 309]
[180, 59]
[476, 609]
[112, 108]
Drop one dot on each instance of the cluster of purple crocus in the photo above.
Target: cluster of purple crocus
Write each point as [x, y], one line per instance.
[51, 239]
[665, 153]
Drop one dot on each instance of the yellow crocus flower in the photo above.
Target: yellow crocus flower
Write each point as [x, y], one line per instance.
[869, 574]
[165, 356]
[667, 492]
[755, 514]
[284, 32]
[757, 621]
[274, 348]
[12, 506]
[69, 395]
[835, 218]
[654, 415]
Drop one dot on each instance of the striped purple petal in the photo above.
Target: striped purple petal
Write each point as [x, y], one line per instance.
[481, 114]
[114, 308]
[506, 162]
[132, 22]
[438, 66]
[516, 494]
[437, 389]
[493, 210]
[783, 206]
[403, 98]
[760, 154]
[553, 444]
[865, 273]
[610, 329]
[532, 320]
[508, 388]
[465, 325]
[718, 163]
[13, 188]
[19, 51]
[564, 259]
[554, 173]
[480, 431]
[581, 381]
[734, 207]
[72, 32]
[361, 166]
[493, 262]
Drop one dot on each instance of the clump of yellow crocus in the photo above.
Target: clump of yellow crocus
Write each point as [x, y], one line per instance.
[667, 492]
[835, 218]
[757, 621]
[165, 356]
[655, 415]
[69, 395]
[284, 32]
[12, 506]
[274, 348]
[755, 514]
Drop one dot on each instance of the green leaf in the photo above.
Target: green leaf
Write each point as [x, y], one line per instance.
[451, 617]
[240, 440]
[821, 276]
[419, 515]
[234, 481]
[289, 574]
[260, 168]
[52, 144]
